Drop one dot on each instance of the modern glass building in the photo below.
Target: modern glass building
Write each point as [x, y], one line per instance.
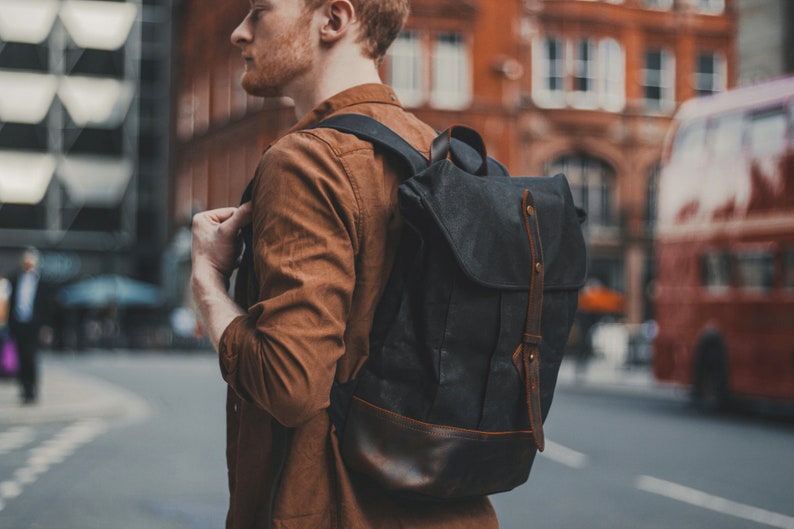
[84, 120]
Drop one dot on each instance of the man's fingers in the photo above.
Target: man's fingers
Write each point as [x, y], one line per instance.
[243, 215]
[213, 216]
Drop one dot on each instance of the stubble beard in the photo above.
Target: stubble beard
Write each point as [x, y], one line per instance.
[276, 69]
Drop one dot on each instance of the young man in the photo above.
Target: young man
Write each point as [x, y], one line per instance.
[325, 230]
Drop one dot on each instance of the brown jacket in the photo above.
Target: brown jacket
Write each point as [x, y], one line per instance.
[325, 232]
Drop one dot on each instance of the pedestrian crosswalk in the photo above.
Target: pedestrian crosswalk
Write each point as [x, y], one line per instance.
[31, 451]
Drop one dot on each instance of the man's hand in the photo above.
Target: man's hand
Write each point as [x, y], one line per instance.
[216, 240]
[217, 246]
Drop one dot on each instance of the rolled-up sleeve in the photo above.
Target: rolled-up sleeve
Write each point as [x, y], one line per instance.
[282, 354]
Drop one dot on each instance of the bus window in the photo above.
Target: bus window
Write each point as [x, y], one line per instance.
[716, 272]
[689, 143]
[726, 137]
[768, 133]
[756, 271]
[788, 270]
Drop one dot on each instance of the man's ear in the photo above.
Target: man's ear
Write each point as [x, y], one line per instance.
[340, 15]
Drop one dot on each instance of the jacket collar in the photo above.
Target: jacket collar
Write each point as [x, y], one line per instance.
[366, 93]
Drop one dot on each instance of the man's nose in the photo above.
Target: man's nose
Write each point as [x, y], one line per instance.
[241, 34]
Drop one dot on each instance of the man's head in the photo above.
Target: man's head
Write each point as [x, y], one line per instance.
[286, 43]
[380, 23]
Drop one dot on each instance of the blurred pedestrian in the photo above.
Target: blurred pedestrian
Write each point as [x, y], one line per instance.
[26, 313]
[325, 230]
[8, 353]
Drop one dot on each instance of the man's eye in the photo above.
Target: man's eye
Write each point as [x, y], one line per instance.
[256, 11]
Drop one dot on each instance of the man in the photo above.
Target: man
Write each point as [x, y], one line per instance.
[325, 230]
[25, 319]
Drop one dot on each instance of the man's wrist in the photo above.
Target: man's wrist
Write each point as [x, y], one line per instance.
[209, 283]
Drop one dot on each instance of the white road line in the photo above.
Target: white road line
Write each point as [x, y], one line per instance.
[15, 438]
[698, 498]
[564, 455]
[51, 452]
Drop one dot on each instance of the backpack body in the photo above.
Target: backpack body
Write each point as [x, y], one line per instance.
[470, 332]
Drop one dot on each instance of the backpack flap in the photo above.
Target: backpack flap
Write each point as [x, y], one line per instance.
[485, 229]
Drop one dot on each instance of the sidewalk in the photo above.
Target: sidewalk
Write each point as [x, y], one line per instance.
[66, 396]
[603, 374]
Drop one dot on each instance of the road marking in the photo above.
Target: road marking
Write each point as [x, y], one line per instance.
[15, 438]
[53, 451]
[564, 455]
[698, 498]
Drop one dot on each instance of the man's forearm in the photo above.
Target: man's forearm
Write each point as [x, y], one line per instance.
[217, 309]
[215, 253]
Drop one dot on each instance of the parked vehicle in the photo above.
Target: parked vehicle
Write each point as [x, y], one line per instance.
[724, 290]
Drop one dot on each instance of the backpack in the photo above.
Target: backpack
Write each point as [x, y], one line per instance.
[469, 334]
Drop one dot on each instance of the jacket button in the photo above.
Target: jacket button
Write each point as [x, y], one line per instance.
[530, 210]
[538, 267]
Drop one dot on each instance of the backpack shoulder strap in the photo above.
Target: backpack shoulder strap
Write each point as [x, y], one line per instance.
[375, 132]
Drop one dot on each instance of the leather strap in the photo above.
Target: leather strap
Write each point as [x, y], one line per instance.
[526, 358]
[473, 159]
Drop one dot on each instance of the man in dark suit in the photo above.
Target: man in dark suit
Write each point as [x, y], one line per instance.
[26, 308]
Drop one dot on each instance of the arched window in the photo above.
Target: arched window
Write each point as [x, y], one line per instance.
[592, 184]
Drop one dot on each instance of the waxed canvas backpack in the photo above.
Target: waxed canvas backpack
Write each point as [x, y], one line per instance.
[470, 332]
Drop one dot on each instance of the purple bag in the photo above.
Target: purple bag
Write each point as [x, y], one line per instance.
[9, 358]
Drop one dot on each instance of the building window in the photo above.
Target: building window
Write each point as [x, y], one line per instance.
[451, 72]
[551, 73]
[716, 272]
[611, 73]
[592, 184]
[712, 7]
[756, 271]
[710, 75]
[659, 4]
[584, 73]
[659, 80]
[448, 64]
[405, 68]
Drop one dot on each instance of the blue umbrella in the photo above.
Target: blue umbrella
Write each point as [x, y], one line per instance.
[107, 290]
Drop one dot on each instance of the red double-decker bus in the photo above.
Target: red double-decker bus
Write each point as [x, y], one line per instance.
[724, 288]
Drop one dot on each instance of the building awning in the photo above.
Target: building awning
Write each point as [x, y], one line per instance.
[95, 180]
[24, 177]
[28, 21]
[26, 97]
[96, 102]
[98, 25]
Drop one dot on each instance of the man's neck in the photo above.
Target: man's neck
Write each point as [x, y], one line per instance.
[331, 80]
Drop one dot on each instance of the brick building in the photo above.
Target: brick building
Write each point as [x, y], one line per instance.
[587, 87]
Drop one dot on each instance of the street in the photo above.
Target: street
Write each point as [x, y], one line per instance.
[613, 459]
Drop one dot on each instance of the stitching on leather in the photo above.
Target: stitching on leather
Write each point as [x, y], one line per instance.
[395, 417]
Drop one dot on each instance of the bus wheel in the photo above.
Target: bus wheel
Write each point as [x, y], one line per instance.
[710, 388]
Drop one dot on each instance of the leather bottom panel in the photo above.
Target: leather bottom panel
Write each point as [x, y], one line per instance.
[435, 462]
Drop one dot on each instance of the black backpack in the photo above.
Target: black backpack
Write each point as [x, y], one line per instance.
[470, 332]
